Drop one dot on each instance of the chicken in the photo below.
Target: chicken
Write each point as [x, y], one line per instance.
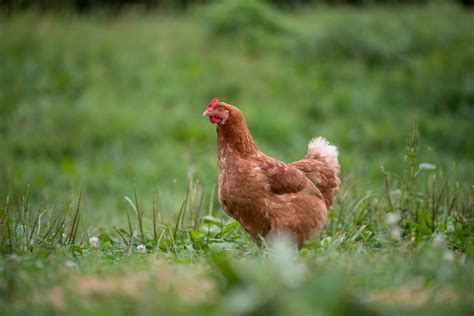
[267, 196]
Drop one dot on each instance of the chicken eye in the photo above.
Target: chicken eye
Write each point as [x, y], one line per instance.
[220, 109]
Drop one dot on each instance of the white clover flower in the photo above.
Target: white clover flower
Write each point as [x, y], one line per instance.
[70, 264]
[396, 233]
[396, 192]
[14, 257]
[285, 261]
[392, 218]
[141, 248]
[438, 240]
[448, 256]
[462, 259]
[94, 242]
[450, 227]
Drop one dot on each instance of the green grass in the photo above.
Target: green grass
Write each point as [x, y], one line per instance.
[406, 248]
[102, 136]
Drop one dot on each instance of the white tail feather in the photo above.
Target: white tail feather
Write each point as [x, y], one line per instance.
[320, 147]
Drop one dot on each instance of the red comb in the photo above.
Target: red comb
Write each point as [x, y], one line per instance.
[213, 103]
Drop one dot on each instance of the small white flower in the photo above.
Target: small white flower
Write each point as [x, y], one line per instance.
[438, 240]
[94, 242]
[290, 269]
[462, 259]
[450, 227]
[392, 218]
[426, 166]
[396, 233]
[448, 256]
[396, 192]
[70, 264]
[14, 257]
[141, 248]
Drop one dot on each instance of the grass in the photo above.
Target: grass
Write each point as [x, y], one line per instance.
[406, 248]
[108, 170]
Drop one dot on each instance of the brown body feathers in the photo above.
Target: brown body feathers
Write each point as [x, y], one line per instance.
[268, 196]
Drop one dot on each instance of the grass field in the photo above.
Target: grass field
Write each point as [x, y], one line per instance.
[109, 170]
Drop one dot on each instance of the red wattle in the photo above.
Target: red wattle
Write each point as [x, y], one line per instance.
[214, 120]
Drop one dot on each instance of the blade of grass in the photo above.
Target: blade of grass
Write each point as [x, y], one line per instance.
[130, 228]
[198, 213]
[211, 201]
[181, 214]
[24, 216]
[70, 239]
[154, 218]
[121, 236]
[37, 219]
[139, 213]
[161, 237]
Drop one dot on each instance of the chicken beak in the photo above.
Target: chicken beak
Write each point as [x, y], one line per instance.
[206, 113]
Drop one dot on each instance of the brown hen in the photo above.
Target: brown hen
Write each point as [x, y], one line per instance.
[267, 196]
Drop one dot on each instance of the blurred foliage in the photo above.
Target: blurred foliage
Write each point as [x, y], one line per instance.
[115, 6]
[95, 101]
[248, 21]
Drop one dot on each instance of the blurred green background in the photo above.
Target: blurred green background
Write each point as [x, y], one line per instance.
[93, 101]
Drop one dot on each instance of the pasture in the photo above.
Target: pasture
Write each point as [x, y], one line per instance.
[108, 169]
